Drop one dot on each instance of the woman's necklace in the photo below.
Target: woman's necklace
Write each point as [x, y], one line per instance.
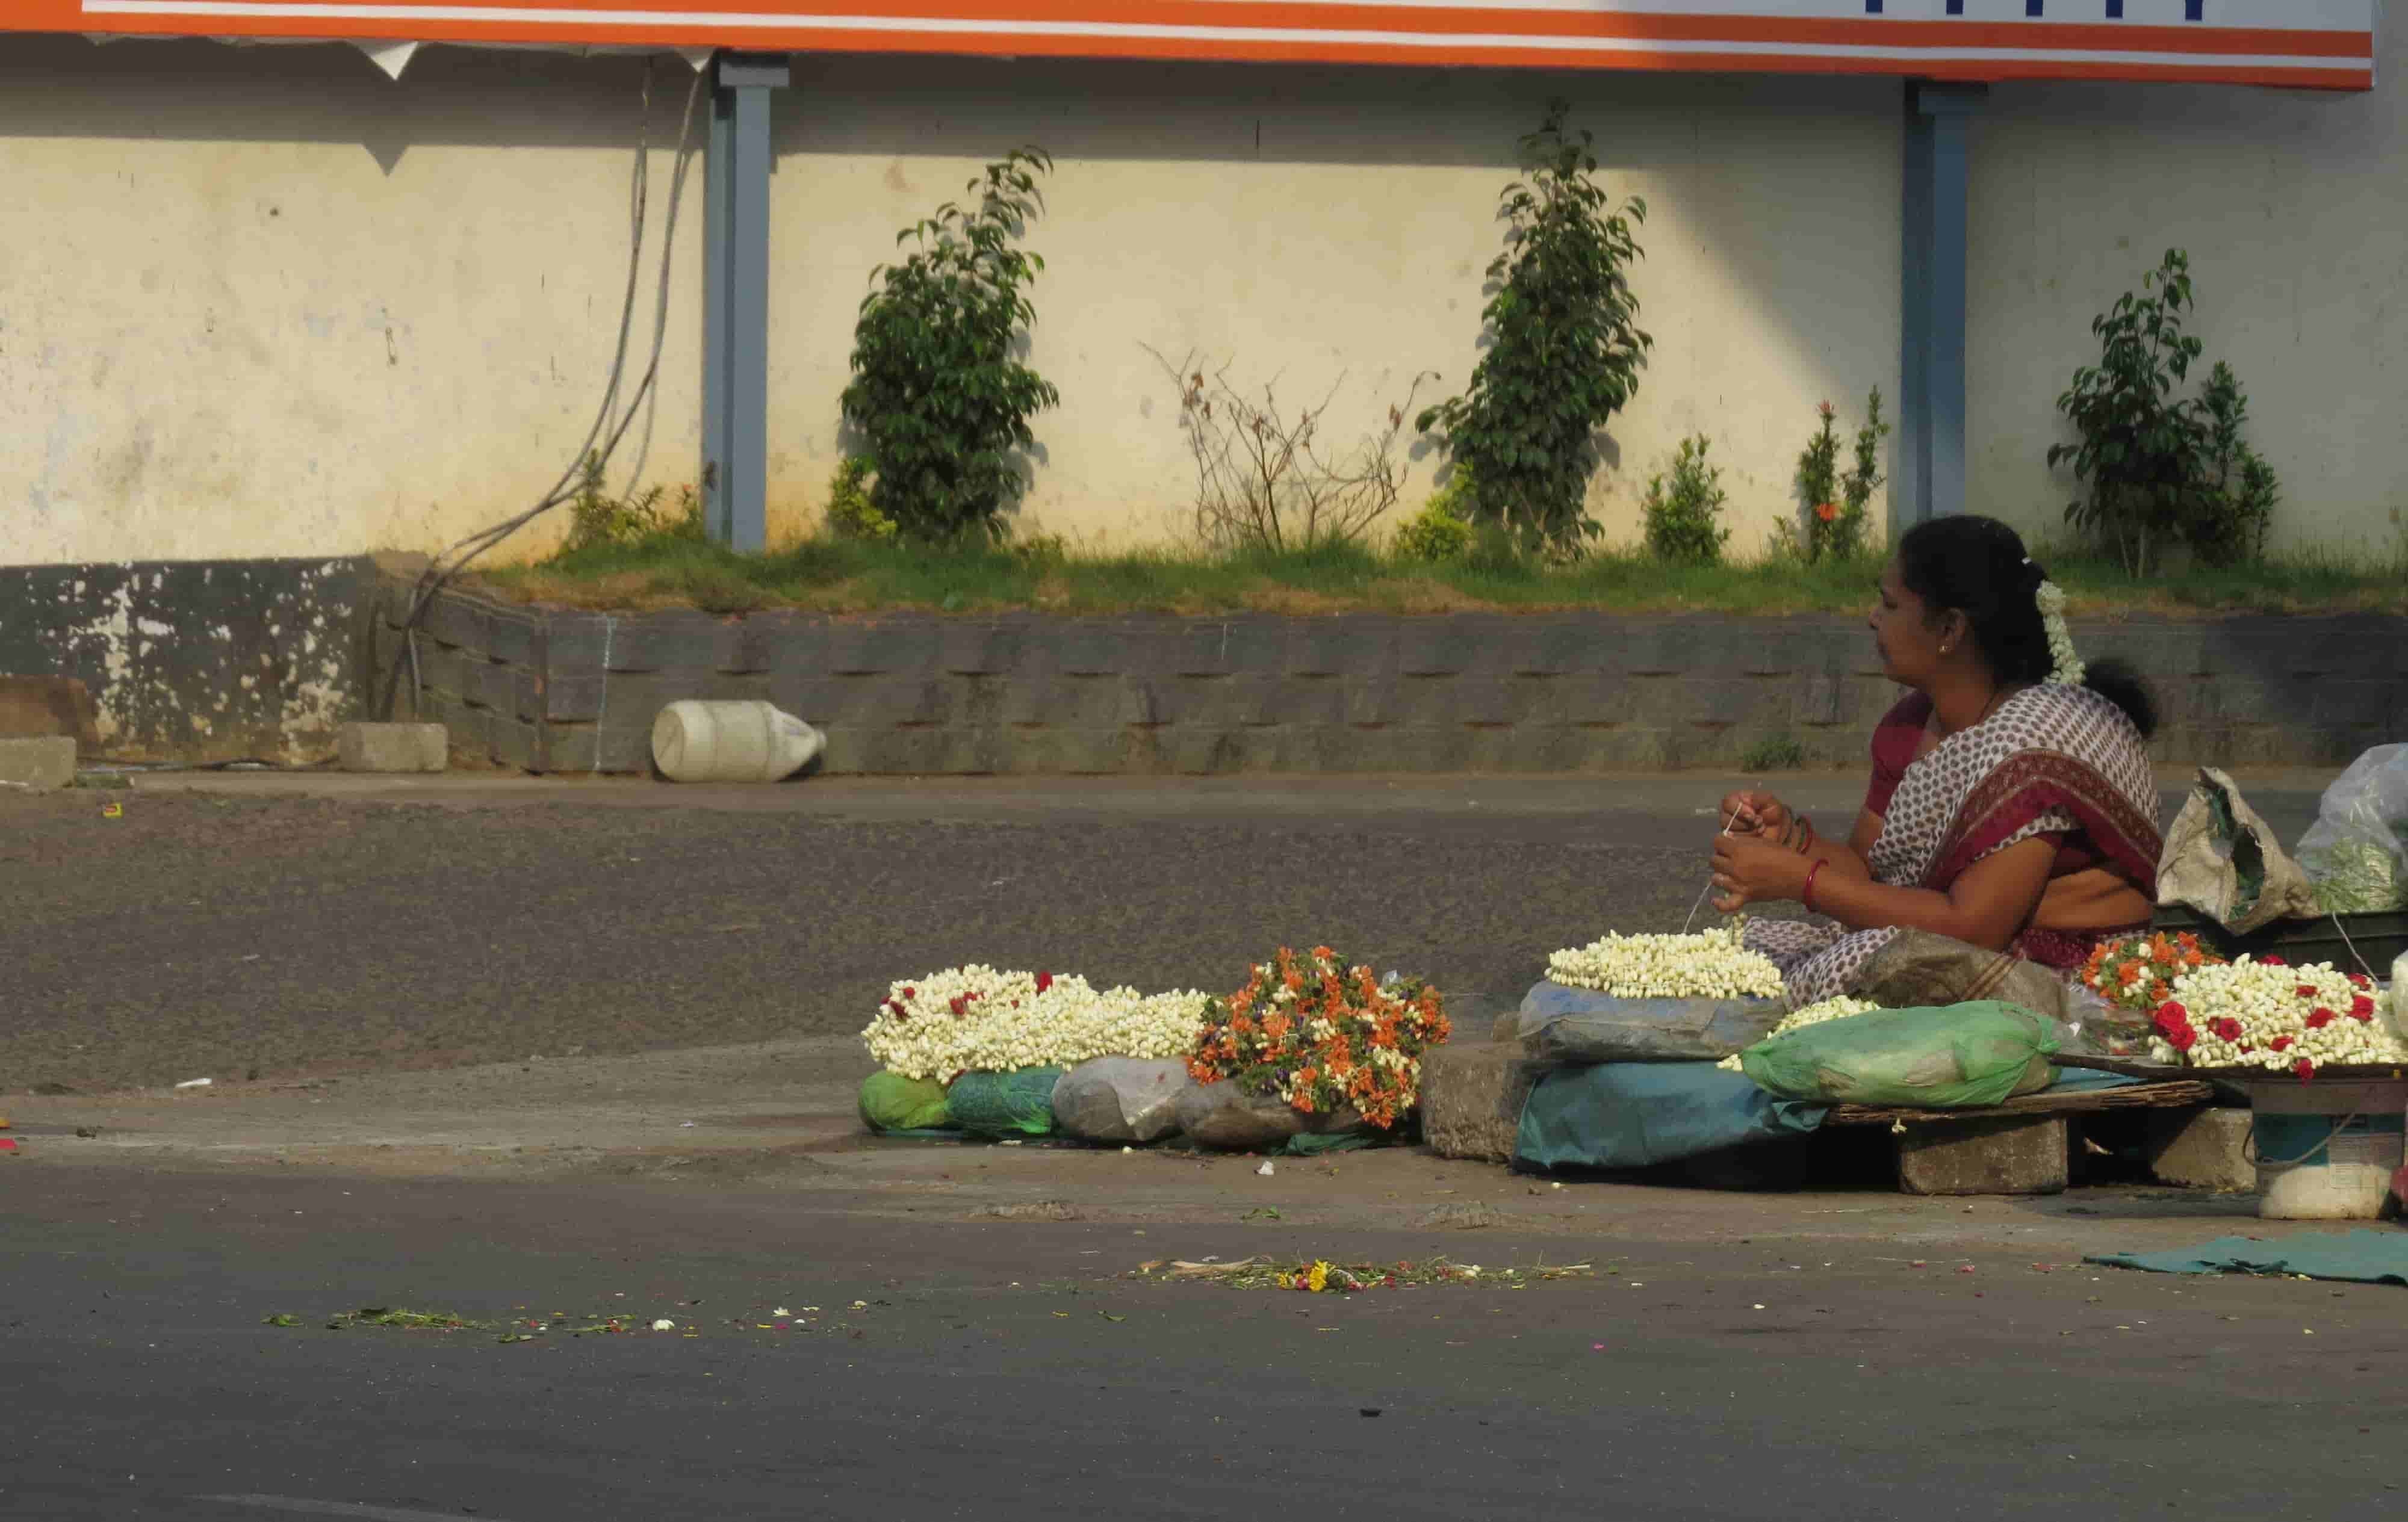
[1998, 696]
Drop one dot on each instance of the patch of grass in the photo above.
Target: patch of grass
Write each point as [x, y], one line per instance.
[1776, 753]
[852, 575]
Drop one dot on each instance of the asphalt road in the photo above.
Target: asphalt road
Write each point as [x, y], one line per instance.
[999, 1368]
[1725, 1356]
[280, 927]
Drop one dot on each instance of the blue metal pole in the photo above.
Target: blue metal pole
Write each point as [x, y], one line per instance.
[1931, 368]
[736, 323]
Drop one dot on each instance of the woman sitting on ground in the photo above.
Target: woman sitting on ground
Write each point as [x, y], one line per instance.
[2011, 803]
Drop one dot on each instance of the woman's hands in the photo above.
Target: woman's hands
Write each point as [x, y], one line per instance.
[1749, 869]
[1758, 816]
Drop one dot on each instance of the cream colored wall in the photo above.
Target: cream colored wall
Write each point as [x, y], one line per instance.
[2289, 203]
[267, 302]
[1307, 223]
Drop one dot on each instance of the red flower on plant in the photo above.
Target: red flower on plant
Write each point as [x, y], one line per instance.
[1827, 511]
[1826, 410]
[2321, 1019]
[2226, 1029]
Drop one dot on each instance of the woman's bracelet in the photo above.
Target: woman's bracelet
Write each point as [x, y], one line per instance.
[1806, 895]
[1806, 837]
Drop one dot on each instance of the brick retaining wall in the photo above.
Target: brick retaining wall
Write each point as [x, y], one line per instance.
[555, 690]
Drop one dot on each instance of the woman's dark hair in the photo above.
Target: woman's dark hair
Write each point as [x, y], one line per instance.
[1977, 566]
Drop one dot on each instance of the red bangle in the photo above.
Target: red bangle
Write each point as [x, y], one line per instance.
[1806, 897]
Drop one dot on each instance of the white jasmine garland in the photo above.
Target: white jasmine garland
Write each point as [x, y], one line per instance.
[1829, 1009]
[2065, 662]
[2266, 1014]
[980, 1020]
[1709, 965]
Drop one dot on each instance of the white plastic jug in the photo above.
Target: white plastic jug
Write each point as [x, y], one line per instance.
[697, 741]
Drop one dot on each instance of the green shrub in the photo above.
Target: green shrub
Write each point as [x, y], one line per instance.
[1564, 348]
[1442, 530]
[2160, 469]
[851, 514]
[1684, 509]
[597, 519]
[936, 391]
[1818, 479]
[1835, 501]
[1857, 484]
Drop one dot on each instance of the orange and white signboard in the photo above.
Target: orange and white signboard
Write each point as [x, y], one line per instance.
[2319, 43]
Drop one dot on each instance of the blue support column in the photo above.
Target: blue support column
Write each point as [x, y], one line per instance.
[735, 299]
[1930, 474]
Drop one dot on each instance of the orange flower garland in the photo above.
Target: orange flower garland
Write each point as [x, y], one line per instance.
[2139, 973]
[1320, 1036]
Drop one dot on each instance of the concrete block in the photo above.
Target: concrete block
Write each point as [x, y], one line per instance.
[39, 761]
[2004, 1156]
[392, 748]
[2201, 1149]
[1472, 1096]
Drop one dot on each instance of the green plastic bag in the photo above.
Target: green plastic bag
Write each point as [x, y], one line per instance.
[891, 1103]
[1958, 1057]
[1017, 1104]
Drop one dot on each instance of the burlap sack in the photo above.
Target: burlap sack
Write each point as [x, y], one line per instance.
[2222, 860]
[1921, 970]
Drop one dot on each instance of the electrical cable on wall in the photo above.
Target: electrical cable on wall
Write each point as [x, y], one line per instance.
[455, 558]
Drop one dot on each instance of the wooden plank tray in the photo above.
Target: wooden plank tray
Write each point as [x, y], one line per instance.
[2144, 1096]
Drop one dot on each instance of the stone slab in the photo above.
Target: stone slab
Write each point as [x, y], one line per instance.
[2006, 1156]
[1471, 1098]
[392, 748]
[42, 761]
[2201, 1149]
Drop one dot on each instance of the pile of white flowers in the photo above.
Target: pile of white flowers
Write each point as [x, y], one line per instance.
[980, 1020]
[2267, 1015]
[1709, 965]
[1829, 1009]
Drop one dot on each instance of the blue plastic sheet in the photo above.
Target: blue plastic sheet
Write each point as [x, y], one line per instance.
[1636, 1115]
[2361, 1257]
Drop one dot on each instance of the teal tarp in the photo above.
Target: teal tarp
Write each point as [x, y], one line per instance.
[1636, 1115]
[2361, 1257]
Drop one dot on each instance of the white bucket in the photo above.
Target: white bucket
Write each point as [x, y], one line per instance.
[697, 741]
[2326, 1151]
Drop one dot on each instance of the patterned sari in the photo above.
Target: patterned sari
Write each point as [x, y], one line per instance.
[2053, 761]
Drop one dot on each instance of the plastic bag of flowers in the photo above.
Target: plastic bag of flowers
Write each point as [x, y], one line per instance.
[1015, 1104]
[892, 1104]
[2354, 853]
[1652, 999]
[1957, 1056]
[1328, 1041]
